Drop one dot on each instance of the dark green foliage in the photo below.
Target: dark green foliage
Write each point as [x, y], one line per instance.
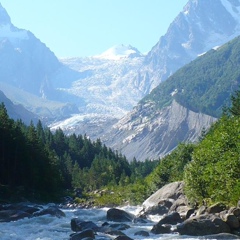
[43, 163]
[171, 167]
[204, 85]
[214, 173]
[235, 107]
[24, 160]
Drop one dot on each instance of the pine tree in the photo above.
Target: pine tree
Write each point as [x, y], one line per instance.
[235, 108]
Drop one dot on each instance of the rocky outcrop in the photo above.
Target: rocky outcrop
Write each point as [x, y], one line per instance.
[200, 27]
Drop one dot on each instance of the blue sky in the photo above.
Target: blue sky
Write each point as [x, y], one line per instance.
[78, 28]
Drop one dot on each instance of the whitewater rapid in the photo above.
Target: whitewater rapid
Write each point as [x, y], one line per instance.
[52, 228]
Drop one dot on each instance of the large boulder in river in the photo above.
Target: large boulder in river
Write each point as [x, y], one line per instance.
[164, 225]
[118, 215]
[162, 201]
[203, 225]
[170, 191]
[78, 225]
[52, 210]
[12, 215]
[86, 234]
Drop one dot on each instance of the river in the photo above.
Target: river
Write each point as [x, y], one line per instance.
[52, 228]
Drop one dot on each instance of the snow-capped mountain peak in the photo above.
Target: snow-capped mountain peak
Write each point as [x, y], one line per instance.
[8, 31]
[4, 17]
[11, 33]
[118, 52]
[233, 7]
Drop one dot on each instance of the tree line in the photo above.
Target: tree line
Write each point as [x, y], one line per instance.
[39, 163]
[210, 168]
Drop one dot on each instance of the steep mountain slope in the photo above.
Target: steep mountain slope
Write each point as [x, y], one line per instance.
[28, 65]
[104, 86]
[17, 112]
[104, 81]
[25, 61]
[112, 85]
[205, 84]
[96, 92]
[174, 111]
[201, 25]
[149, 133]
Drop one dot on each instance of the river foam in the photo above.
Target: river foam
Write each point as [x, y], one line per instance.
[52, 228]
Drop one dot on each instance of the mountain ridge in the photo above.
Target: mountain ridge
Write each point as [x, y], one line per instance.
[99, 92]
[176, 110]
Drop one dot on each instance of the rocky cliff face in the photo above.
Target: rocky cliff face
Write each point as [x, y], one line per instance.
[29, 70]
[102, 90]
[149, 133]
[201, 26]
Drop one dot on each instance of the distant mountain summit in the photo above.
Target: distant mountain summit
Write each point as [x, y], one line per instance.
[4, 17]
[180, 108]
[199, 27]
[91, 94]
[31, 69]
[119, 51]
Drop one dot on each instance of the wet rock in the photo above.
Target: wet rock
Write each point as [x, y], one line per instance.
[52, 210]
[161, 228]
[222, 236]
[115, 233]
[203, 225]
[123, 238]
[86, 234]
[78, 225]
[120, 226]
[165, 224]
[118, 215]
[24, 207]
[12, 215]
[113, 229]
[232, 221]
[142, 233]
[172, 219]
[140, 220]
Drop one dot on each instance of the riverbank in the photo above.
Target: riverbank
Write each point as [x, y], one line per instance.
[166, 212]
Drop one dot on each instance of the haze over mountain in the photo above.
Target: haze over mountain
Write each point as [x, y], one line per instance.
[89, 95]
